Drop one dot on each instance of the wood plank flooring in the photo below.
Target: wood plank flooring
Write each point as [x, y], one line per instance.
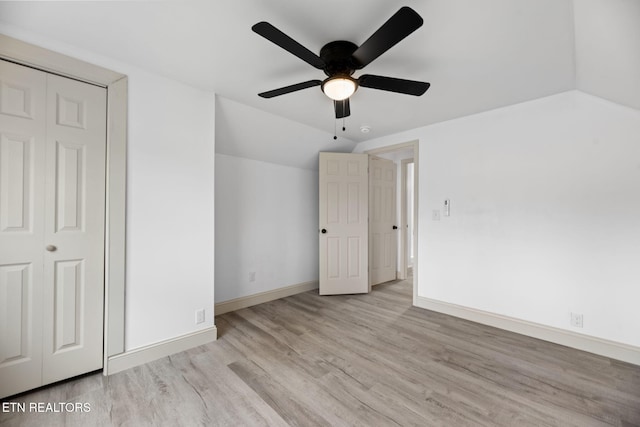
[368, 360]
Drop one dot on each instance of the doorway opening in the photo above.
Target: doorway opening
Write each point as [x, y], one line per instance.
[405, 155]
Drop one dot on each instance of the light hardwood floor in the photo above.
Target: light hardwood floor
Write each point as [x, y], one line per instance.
[369, 360]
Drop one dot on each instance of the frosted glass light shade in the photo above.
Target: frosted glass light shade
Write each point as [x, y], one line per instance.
[339, 88]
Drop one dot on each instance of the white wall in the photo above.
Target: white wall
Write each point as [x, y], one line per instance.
[170, 209]
[544, 213]
[170, 200]
[266, 199]
[267, 223]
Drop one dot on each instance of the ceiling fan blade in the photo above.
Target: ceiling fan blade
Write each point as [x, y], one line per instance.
[391, 84]
[289, 89]
[342, 108]
[276, 36]
[404, 22]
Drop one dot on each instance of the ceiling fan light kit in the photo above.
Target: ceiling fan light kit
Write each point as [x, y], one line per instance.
[339, 87]
[340, 59]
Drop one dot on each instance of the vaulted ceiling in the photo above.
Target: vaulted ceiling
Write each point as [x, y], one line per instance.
[478, 55]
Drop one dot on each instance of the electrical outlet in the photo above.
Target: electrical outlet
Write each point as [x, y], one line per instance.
[199, 316]
[576, 320]
[252, 276]
[435, 215]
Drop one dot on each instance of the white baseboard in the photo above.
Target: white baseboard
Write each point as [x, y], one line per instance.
[262, 297]
[602, 347]
[142, 355]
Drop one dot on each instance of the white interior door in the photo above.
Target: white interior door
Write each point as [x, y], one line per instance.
[382, 220]
[343, 218]
[52, 204]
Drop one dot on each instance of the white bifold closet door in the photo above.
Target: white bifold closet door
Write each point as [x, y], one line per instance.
[52, 208]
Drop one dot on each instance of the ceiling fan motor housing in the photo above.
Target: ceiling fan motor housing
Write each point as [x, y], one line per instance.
[338, 58]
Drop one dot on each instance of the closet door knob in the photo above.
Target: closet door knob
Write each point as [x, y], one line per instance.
[51, 248]
[395, 227]
[323, 231]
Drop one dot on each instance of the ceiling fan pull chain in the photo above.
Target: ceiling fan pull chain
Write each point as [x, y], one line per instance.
[335, 131]
[343, 124]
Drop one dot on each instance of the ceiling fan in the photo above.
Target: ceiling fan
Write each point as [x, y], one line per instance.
[340, 59]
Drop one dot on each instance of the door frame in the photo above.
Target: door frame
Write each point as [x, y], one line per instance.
[416, 156]
[23, 53]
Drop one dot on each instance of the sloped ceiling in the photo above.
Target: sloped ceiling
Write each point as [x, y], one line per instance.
[270, 138]
[477, 54]
[608, 49]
